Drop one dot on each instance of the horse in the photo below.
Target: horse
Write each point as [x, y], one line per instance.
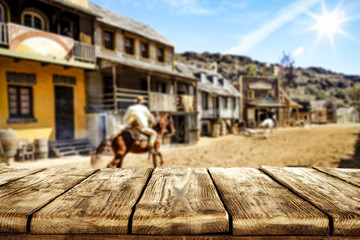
[268, 125]
[123, 143]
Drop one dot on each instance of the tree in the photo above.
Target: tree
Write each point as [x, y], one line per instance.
[250, 70]
[287, 68]
[354, 95]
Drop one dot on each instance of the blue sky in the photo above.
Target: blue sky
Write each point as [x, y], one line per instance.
[323, 33]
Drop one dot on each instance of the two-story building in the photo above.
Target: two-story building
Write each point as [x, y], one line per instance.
[262, 98]
[218, 101]
[45, 48]
[134, 60]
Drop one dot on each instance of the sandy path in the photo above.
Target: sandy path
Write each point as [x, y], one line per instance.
[326, 146]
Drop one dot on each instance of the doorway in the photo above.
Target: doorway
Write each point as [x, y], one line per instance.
[64, 113]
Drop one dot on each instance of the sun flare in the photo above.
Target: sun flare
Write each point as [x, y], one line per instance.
[329, 24]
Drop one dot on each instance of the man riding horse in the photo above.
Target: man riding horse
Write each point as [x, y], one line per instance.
[139, 116]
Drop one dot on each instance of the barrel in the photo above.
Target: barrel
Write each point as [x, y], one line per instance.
[8, 142]
[41, 148]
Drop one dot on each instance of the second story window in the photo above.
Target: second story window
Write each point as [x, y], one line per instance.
[160, 56]
[2, 13]
[205, 100]
[225, 102]
[145, 50]
[33, 20]
[129, 45]
[250, 94]
[109, 40]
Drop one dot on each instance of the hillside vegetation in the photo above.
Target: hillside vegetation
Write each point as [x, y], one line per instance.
[313, 83]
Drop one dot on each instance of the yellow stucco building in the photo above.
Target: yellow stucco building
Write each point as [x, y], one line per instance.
[40, 121]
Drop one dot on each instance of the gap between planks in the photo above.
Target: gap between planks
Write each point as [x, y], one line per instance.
[331, 221]
[137, 201]
[28, 224]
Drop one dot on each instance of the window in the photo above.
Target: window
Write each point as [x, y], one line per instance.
[160, 54]
[145, 50]
[109, 40]
[129, 45]
[250, 94]
[161, 87]
[33, 20]
[225, 102]
[2, 13]
[205, 100]
[233, 103]
[20, 102]
[66, 27]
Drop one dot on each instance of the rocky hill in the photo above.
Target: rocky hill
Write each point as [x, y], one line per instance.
[313, 83]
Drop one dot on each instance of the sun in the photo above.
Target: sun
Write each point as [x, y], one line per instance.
[329, 24]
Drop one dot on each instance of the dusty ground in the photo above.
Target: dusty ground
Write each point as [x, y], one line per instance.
[332, 145]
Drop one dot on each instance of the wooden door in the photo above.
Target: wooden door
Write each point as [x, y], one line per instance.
[64, 112]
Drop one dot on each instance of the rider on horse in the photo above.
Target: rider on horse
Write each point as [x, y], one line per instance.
[139, 116]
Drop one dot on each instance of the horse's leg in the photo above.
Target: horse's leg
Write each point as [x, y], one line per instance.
[161, 159]
[119, 149]
[154, 159]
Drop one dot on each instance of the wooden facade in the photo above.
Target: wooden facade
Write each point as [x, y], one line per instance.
[323, 111]
[260, 98]
[134, 60]
[218, 104]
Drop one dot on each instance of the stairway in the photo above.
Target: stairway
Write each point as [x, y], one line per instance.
[61, 148]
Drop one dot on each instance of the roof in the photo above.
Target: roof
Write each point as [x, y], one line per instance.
[321, 104]
[132, 26]
[74, 6]
[190, 70]
[291, 102]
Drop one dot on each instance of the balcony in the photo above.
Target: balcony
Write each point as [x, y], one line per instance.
[33, 41]
[157, 102]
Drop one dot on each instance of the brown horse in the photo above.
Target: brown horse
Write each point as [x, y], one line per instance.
[123, 143]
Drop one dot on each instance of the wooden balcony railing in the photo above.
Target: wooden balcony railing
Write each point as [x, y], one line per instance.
[4, 34]
[162, 102]
[157, 102]
[124, 98]
[84, 52]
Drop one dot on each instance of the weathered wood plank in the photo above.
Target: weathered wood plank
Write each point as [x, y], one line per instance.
[8, 174]
[21, 198]
[102, 203]
[260, 206]
[178, 237]
[180, 201]
[337, 198]
[349, 175]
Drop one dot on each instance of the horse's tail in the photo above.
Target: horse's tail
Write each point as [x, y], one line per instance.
[104, 146]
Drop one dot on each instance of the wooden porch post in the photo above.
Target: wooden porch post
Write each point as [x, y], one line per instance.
[114, 88]
[149, 89]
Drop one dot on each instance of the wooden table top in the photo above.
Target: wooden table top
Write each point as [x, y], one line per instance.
[180, 203]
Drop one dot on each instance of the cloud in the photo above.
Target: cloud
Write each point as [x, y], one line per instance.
[284, 16]
[299, 51]
[190, 7]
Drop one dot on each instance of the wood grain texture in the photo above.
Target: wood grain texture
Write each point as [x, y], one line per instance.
[177, 237]
[102, 203]
[260, 206]
[8, 174]
[337, 198]
[350, 175]
[180, 201]
[21, 198]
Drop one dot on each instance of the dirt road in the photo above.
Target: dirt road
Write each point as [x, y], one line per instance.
[329, 145]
